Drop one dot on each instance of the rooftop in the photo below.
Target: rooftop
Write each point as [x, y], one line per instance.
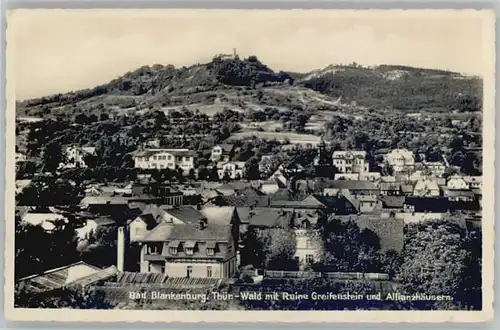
[59, 277]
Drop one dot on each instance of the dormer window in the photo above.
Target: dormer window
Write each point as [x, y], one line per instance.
[210, 251]
[173, 247]
[189, 247]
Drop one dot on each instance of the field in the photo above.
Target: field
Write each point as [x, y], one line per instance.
[294, 138]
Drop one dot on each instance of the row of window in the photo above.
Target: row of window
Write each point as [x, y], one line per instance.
[189, 270]
[157, 250]
[166, 157]
[348, 161]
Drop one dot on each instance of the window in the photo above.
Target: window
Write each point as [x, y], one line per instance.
[189, 250]
[154, 249]
[189, 271]
[309, 258]
[162, 268]
[154, 157]
[308, 244]
[210, 251]
[173, 250]
[209, 271]
[169, 157]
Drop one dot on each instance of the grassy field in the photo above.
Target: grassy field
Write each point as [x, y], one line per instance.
[294, 138]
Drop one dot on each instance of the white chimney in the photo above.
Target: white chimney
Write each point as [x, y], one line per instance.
[120, 249]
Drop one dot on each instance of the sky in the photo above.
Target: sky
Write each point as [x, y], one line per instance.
[55, 51]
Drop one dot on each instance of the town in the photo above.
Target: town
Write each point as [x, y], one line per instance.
[328, 196]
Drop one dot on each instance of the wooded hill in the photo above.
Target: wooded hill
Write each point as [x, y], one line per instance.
[241, 84]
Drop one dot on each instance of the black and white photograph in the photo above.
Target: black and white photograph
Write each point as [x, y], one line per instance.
[249, 161]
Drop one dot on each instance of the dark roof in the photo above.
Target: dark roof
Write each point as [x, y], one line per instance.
[167, 232]
[266, 217]
[440, 204]
[240, 200]
[236, 186]
[350, 184]
[407, 188]
[392, 202]
[104, 221]
[186, 214]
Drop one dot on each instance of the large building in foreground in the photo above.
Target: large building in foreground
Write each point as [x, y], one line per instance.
[200, 244]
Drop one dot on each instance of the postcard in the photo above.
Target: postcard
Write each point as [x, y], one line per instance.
[249, 165]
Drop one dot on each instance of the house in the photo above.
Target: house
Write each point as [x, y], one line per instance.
[356, 187]
[343, 203]
[368, 203]
[401, 160]
[46, 217]
[474, 182]
[426, 188]
[351, 161]
[346, 176]
[456, 182]
[76, 274]
[308, 246]
[234, 170]
[249, 196]
[222, 153]
[76, 156]
[457, 195]
[165, 159]
[417, 209]
[271, 186]
[261, 218]
[206, 249]
[370, 176]
[434, 168]
[390, 188]
[92, 225]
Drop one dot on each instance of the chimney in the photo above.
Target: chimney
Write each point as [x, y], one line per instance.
[201, 224]
[120, 249]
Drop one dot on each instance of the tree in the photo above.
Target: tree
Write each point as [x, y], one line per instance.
[214, 174]
[75, 297]
[436, 261]
[52, 156]
[348, 249]
[38, 250]
[90, 160]
[252, 169]
[279, 249]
